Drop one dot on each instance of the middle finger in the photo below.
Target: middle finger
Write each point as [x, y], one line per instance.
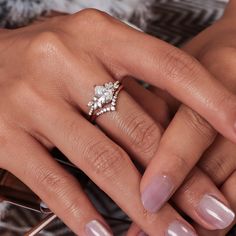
[131, 127]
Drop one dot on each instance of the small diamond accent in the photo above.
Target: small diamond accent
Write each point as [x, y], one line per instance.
[105, 97]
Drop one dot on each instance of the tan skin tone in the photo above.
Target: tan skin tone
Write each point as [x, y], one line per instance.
[46, 75]
[215, 48]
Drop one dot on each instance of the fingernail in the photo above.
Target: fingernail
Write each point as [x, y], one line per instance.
[95, 228]
[178, 229]
[141, 233]
[157, 193]
[215, 212]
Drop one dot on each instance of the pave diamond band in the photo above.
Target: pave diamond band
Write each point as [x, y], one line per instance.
[105, 99]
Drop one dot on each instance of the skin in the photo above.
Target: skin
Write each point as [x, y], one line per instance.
[215, 48]
[56, 63]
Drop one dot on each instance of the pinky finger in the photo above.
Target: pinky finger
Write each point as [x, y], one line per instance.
[32, 164]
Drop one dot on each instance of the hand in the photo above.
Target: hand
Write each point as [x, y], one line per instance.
[215, 49]
[56, 64]
[196, 185]
[219, 57]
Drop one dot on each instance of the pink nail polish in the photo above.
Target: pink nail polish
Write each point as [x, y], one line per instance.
[95, 228]
[178, 229]
[157, 193]
[215, 212]
[141, 233]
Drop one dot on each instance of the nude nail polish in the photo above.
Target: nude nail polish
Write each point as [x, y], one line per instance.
[215, 212]
[157, 193]
[141, 233]
[95, 228]
[178, 229]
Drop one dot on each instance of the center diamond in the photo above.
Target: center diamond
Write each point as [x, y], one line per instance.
[104, 94]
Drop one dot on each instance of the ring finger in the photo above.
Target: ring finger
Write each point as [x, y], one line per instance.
[131, 127]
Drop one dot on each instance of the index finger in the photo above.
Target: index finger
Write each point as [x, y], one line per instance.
[162, 65]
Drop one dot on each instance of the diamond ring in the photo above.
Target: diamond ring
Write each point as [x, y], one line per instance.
[105, 99]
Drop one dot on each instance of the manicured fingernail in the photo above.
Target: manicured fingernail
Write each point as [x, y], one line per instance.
[95, 228]
[215, 212]
[141, 233]
[157, 193]
[178, 229]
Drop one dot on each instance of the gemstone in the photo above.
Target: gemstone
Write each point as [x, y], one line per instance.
[99, 104]
[90, 104]
[99, 91]
[95, 106]
[109, 85]
[102, 99]
[108, 96]
[116, 85]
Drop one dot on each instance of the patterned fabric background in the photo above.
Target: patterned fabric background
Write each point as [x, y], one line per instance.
[175, 21]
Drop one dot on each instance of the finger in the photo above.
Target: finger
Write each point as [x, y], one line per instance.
[197, 189]
[134, 230]
[129, 126]
[32, 164]
[107, 165]
[218, 162]
[183, 143]
[203, 202]
[229, 190]
[152, 104]
[170, 69]
[200, 199]
[192, 193]
[172, 103]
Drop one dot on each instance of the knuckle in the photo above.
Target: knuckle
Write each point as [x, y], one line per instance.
[104, 158]
[177, 63]
[72, 206]
[44, 45]
[198, 124]
[181, 162]
[90, 17]
[29, 96]
[189, 183]
[208, 55]
[216, 168]
[59, 187]
[54, 182]
[144, 134]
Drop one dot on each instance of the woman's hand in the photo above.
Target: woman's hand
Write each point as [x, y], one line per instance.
[215, 48]
[197, 185]
[47, 75]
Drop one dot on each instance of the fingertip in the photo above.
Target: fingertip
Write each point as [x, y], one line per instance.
[179, 228]
[95, 227]
[157, 193]
[215, 212]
